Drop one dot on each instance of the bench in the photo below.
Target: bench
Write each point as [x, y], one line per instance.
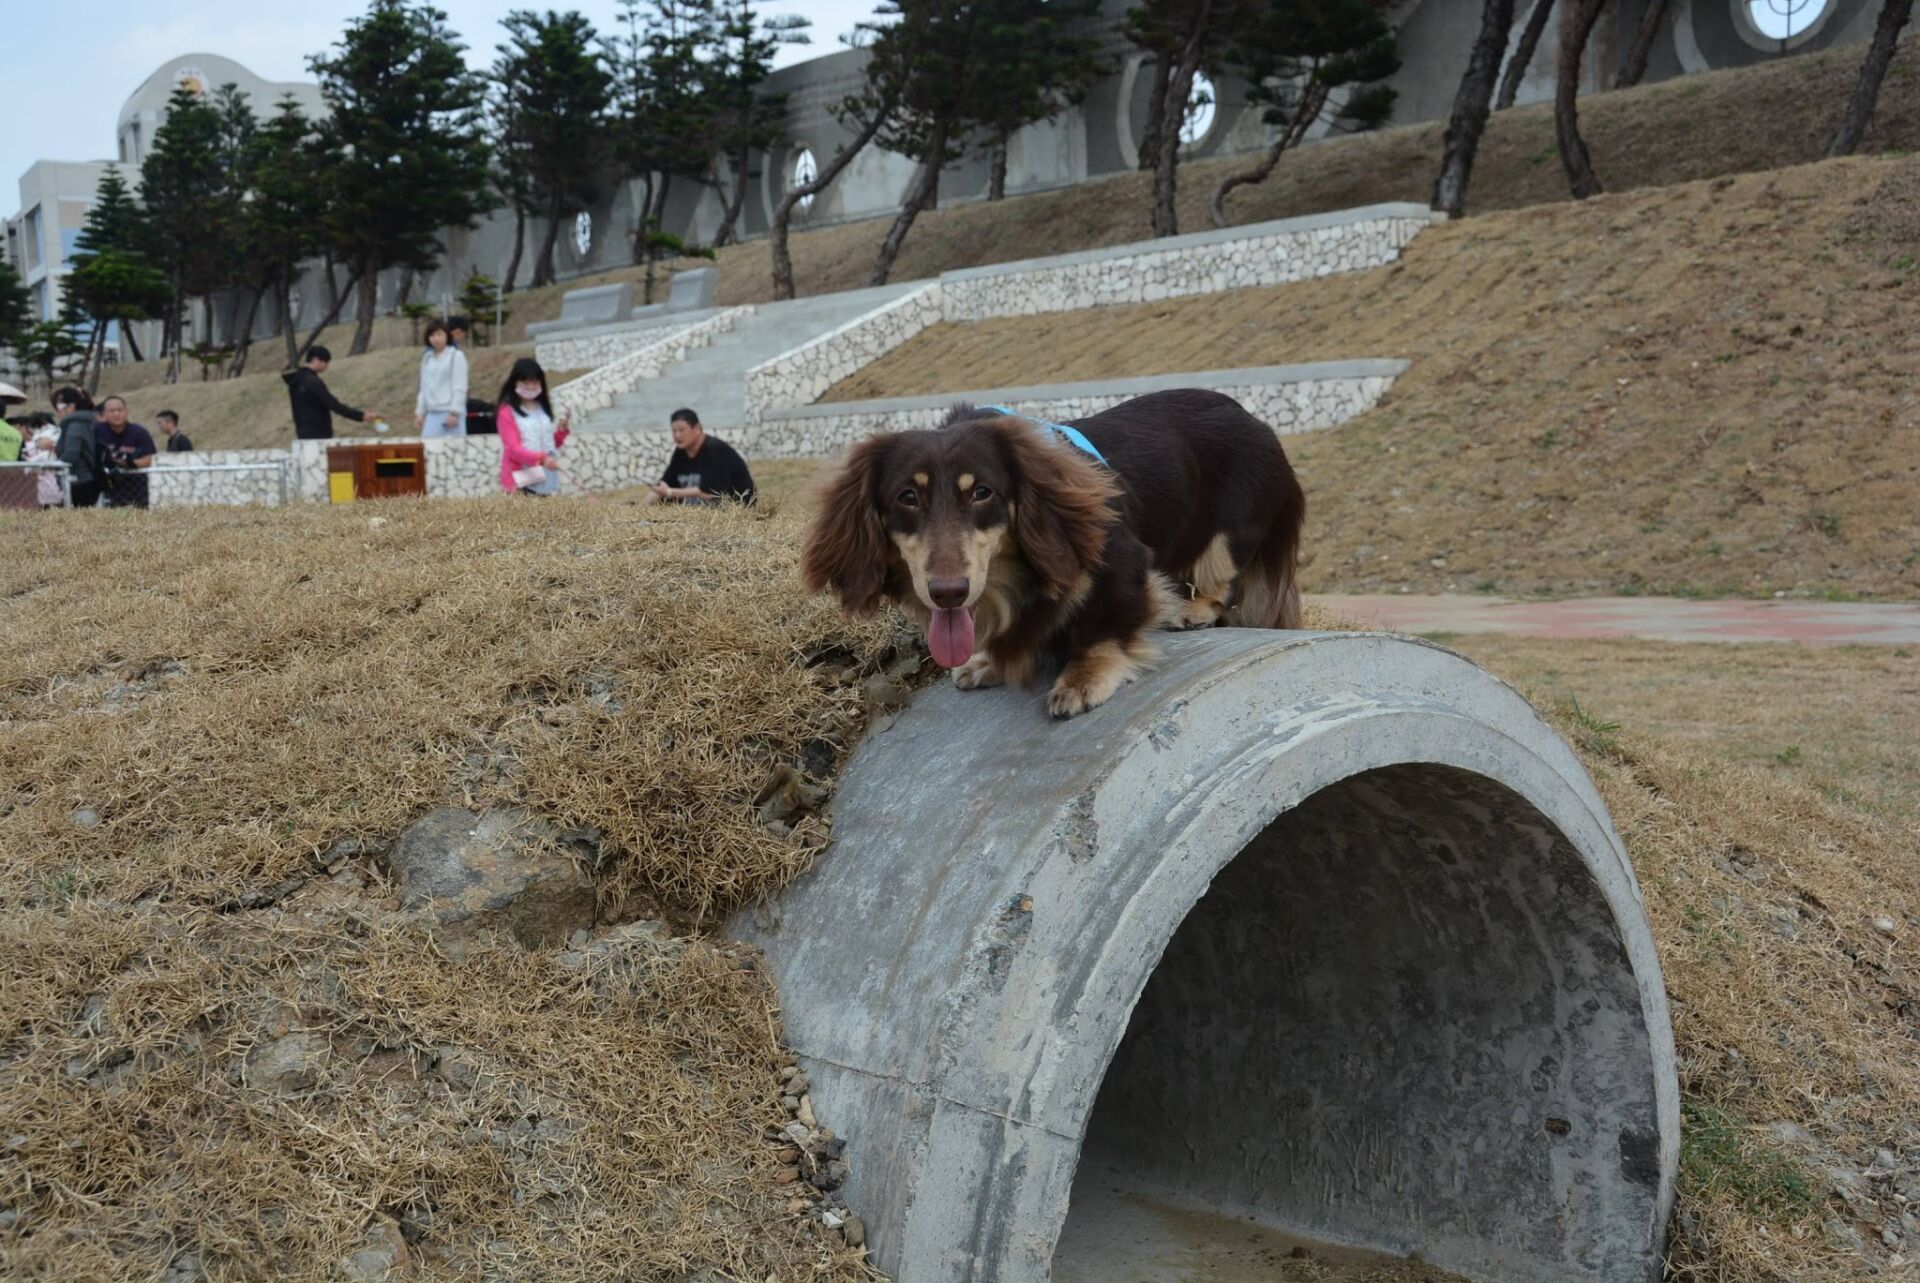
[691, 291]
[598, 305]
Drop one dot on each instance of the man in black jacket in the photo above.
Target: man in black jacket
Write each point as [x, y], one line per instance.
[314, 406]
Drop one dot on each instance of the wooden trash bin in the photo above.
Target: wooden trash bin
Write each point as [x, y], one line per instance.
[376, 470]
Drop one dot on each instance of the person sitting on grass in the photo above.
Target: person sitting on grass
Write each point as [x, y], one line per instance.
[177, 441]
[703, 470]
[530, 439]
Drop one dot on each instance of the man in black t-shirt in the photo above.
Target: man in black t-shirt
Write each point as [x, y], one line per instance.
[704, 469]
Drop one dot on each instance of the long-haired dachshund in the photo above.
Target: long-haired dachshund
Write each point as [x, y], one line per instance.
[1010, 543]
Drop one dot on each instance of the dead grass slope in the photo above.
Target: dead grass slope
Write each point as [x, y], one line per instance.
[1698, 389]
[283, 680]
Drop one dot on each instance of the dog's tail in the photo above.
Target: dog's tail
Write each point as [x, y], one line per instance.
[1270, 583]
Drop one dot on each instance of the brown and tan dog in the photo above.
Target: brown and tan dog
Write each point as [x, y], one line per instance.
[1011, 546]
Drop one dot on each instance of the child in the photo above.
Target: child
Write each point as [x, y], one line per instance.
[440, 410]
[529, 437]
[43, 447]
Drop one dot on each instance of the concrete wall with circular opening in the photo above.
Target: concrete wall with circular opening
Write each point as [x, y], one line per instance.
[1313, 936]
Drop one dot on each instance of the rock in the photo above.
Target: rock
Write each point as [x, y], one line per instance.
[787, 1072]
[385, 1252]
[805, 1115]
[831, 1219]
[1885, 926]
[487, 872]
[185, 1268]
[455, 1068]
[293, 1063]
[785, 794]
[86, 818]
[798, 1084]
[856, 1232]
[786, 1176]
[1884, 1161]
[1890, 1236]
[882, 694]
[790, 1103]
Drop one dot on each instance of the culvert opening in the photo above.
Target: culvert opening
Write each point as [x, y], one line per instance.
[1401, 1020]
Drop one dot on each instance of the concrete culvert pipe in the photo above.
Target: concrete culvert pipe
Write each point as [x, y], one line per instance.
[1323, 935]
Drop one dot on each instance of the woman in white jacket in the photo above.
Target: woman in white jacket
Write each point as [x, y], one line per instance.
[441, 408]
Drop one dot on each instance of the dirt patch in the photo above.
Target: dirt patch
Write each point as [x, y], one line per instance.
[1699, 389]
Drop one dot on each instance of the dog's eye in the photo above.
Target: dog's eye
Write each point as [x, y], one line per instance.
[982, 493]
[909, 498]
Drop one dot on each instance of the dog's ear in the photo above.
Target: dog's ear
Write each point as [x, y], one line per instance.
[1062, 510]
[846, 547]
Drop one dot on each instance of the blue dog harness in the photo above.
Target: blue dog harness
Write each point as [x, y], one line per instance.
[1072, 436]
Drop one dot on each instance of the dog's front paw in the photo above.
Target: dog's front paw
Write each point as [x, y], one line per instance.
[977, 673]
[1090, 679]
[1199, 612]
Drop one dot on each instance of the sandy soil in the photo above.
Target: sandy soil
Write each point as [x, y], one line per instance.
[1697, 389]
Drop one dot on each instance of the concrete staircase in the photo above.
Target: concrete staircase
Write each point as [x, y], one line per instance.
[712, 379]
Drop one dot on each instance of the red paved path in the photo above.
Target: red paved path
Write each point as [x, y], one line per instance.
[1809, 623]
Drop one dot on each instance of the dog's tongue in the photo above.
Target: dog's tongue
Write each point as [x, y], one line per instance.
[950, 636]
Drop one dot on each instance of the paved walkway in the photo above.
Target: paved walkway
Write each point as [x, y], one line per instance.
[1809, 623]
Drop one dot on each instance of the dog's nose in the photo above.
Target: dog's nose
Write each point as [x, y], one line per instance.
[948, 594]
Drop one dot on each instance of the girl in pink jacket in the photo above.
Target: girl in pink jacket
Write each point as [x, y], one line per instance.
[530, 439]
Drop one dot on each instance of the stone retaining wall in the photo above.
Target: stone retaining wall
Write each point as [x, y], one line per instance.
[169, 486]
[1290, 398]
[633, 366]
[591, 348]
[798, 377]
[1205, 262]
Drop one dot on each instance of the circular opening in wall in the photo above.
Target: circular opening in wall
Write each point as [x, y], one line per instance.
[1202, 111]
[583, 233]
[1401, 1019]
[1779, 25]
[805, 170]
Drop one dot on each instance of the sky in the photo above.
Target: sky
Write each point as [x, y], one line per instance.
[96, 52]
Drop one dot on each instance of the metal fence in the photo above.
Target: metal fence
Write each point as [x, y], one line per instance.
[20, 487]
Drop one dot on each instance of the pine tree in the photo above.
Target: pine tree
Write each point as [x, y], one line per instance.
[1037, 60]
[1183, 37]
[746, 120]
[282, 227]
[663, 114]
[111, 279]
[15, 306]
[184, 189]
[555, 90]
[964, 74]
[404, 132]
[1294, 56]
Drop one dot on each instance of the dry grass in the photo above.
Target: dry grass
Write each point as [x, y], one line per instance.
[285, 679]
[282, 680]
[1831, 719]
[1700, 389]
